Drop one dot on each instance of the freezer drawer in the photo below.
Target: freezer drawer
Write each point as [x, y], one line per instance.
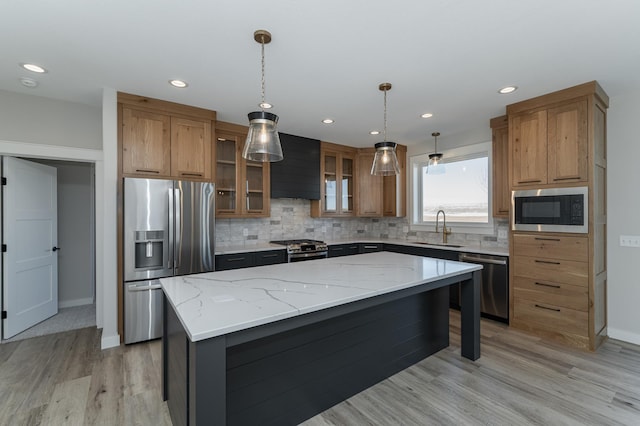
[142, 311]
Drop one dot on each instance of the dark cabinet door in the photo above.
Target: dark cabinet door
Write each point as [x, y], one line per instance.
[270, 257]
[225, 262]
[337, 250]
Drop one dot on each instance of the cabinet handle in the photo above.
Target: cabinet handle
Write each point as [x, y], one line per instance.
[548, 285]
[235, 259]
[264, 256]
[530, 181]
[567, 178]
[371, 247]
[547, 308]
[147, 171]
[191, 174]
[547, 262]
[337, 248]
[247, 189]
[547, 239]
[352, 247]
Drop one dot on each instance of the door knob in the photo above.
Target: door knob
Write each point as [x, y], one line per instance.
[55, 248]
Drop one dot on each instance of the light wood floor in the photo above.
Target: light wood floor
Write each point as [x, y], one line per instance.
[64, 379]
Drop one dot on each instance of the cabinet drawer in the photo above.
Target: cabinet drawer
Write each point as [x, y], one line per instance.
[550, 317]
[234, 261]
[554, 247]
[561, 294]
[270, 257]
[552, 270]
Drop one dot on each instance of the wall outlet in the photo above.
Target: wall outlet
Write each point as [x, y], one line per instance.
[245, 232]
[503, 234]
[629, 241]
[405, 229]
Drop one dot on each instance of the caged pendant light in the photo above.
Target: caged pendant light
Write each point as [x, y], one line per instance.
[435, 166]
[263, 141]
[385, 162]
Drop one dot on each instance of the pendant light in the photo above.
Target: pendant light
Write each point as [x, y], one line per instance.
[435, 166]
[385, 162]
[263, 141]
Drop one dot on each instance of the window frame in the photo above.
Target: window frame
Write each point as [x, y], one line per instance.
[416, 162]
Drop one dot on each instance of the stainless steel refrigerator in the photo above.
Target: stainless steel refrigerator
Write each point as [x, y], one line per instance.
[168, 230]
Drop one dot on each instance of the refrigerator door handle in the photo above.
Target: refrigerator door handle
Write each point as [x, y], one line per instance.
[171, 248]
[178, 225]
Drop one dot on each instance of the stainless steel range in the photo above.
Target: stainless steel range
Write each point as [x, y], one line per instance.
[299, 250]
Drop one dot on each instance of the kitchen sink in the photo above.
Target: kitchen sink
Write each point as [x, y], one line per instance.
[440, 244]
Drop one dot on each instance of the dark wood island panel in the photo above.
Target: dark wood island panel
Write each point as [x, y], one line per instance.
[290, 370]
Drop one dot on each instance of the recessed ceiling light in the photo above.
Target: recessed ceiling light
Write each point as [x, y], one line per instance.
[327, 121]
[28, 82]
[178, 83]
[33, 68]
[508, 89]
[374, 132]
[265, 105]
[427, 115]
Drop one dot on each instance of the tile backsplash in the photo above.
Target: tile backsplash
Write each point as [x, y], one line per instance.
[290, 218]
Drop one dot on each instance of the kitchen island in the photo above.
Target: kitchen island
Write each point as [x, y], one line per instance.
[278, 344]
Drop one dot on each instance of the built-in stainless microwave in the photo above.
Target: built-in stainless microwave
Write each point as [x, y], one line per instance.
[551, 210]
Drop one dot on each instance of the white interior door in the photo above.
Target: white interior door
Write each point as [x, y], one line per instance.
[30, 280]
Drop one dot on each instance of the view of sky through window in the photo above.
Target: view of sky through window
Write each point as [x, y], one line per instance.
[462, 191]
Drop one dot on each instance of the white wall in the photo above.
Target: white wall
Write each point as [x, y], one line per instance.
[623, 217]
[41, 120]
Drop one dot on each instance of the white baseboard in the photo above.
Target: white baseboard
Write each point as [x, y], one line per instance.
[623, 335]
[110, 341]
[75, 302]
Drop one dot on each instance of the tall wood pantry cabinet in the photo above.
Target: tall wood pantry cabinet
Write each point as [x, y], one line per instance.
[558, 281]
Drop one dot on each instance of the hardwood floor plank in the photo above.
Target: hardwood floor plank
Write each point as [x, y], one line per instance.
[519, 380]
[68, 402]
[105, 402]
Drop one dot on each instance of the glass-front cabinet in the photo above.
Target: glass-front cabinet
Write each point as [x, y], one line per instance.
[337, 172]
[242, 186]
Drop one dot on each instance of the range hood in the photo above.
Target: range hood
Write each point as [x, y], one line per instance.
[298, 174]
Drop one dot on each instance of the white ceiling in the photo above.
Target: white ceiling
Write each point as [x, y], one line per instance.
[327, 58]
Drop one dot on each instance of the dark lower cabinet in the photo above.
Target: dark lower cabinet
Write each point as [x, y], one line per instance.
[270, 257]
[337, 250]
[370, 247]
[225, 262]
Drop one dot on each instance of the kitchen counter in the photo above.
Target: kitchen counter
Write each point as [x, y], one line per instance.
[498, 251]
[281, 341]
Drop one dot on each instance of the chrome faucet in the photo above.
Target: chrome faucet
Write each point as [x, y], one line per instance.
[445, 231]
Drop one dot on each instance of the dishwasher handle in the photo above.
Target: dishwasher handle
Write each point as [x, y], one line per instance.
[465, 258]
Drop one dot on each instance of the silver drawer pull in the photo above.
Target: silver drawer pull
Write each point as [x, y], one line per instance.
[549, 309]
[548, 285]
[264, 256]
[465, 258]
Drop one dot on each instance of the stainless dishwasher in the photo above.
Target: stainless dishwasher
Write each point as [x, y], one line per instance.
[494, 299]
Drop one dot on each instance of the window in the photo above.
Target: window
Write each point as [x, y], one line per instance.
[462, 191]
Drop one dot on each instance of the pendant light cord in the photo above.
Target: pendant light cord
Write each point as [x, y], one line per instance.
[262, 82]
[385, 115]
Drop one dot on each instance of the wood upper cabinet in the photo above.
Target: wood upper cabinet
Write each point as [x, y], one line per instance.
[394, 188]
[337, 171]
[146, 143]
[190, 148]
[528, 134]
[370, 188]
[550, 145]
[163, 139]
[242, 186]
[501, 193]
[567, 143]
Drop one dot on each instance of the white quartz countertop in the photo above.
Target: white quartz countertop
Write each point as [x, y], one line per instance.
[499, 251]
[217, 303]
